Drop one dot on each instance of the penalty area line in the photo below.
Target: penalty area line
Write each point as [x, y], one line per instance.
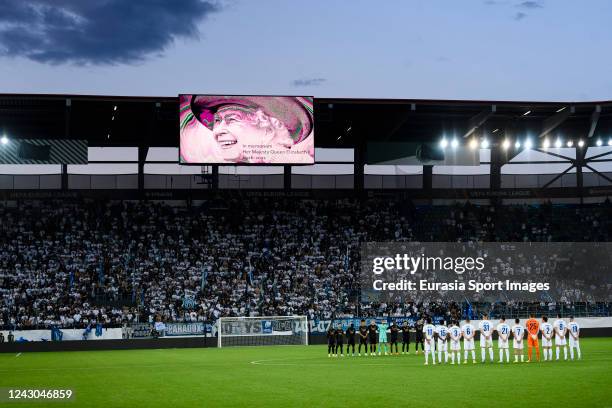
[271, 362]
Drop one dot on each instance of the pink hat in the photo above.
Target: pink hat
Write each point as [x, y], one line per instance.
[295, 112]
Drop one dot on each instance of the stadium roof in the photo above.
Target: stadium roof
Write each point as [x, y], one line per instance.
[153, 121]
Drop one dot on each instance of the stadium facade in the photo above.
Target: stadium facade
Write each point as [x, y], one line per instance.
[133, 150]
[126, 149]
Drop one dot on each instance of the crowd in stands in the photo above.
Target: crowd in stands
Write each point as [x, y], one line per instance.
[77, 263]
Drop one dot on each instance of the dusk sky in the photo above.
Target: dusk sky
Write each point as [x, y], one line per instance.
[472, 49]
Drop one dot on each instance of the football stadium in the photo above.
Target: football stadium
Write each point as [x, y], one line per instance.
[310, 217]
[130, 278]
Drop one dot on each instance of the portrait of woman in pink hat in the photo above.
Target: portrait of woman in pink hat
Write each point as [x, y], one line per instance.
[246, 129]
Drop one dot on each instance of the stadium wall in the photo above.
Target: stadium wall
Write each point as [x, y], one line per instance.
[111, 339]
[120, 344]
[68, 335]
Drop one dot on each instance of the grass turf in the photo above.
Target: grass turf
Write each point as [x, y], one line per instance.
[305, 376]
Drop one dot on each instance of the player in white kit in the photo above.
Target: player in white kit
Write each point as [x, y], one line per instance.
[455, 343]
[486, 338]
[430, 347]
[518, 334]
[560, 332]
[547, 334]
[574, 338]
[468, 332]
[442, 333]
[503, 332]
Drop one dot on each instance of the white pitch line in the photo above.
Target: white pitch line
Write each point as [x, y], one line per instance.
[306, 362]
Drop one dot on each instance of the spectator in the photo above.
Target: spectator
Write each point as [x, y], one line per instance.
[79, 264]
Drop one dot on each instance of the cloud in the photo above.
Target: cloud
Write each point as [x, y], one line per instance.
[96, 32]
[530, 5]
[519, 16]
[308, 82]
[526, 5]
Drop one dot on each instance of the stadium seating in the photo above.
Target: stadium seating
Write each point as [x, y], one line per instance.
[69, 264]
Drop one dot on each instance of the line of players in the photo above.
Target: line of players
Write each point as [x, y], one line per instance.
[436, 338]
[373, 338]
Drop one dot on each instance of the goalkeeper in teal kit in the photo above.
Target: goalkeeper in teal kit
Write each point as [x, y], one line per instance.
[382, 337]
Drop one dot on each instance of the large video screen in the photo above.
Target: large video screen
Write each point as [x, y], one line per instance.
[221, 129]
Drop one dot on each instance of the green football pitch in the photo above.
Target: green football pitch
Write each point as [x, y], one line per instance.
[290, 376]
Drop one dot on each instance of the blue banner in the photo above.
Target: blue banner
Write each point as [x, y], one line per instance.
[266, 327]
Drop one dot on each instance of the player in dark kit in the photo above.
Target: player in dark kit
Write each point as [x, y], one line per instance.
[393, 338]
[340, 340]
[373, 336]
[419, 336]
[350, 339]
[363, 337]
[331, 341]
[405, 338]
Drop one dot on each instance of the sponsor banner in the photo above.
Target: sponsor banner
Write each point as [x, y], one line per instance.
[186, 329]
[266, 327]
[64, 334]
[206, 194]
[141, 330]
[316, 327]
[261, 327]
[321, 326]
[411, 153]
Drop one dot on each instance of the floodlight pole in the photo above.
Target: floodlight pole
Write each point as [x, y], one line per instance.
[498, 158]
[428, 179]
[215, 177]
[579, 163]
[64, 175]
[142, 157]
[64, 178]
[359, 163]
[287, 177]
